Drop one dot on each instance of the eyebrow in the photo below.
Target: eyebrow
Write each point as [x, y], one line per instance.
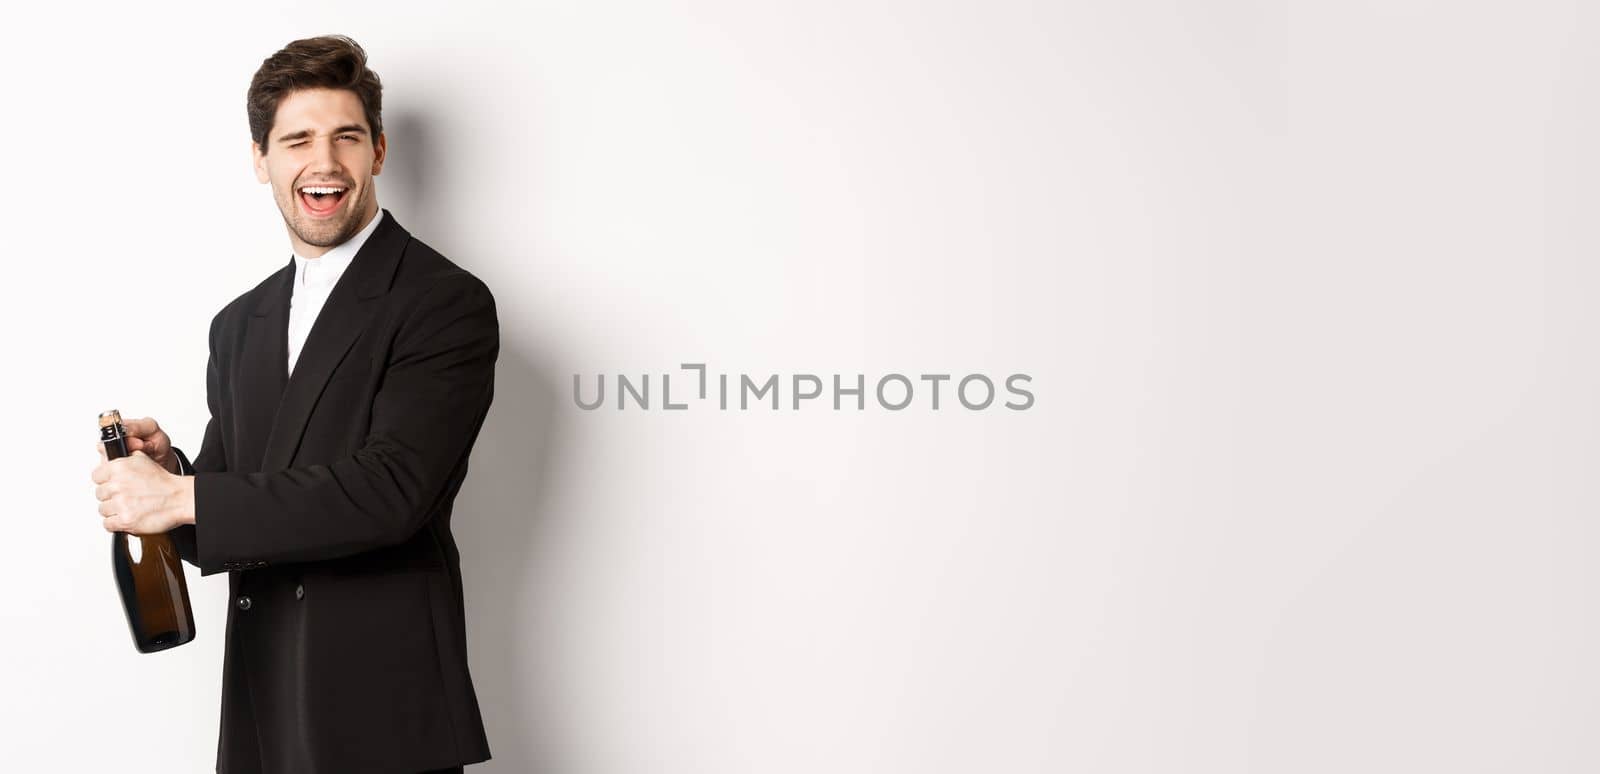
[304, 133]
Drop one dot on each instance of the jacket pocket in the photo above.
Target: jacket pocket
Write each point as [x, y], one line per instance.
[373, 685]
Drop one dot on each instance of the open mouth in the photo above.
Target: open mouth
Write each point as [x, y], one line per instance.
[322, 200]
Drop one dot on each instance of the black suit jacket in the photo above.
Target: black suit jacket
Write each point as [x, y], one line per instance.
[326, 497]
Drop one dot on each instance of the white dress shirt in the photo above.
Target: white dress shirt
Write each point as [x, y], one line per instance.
[313, 281]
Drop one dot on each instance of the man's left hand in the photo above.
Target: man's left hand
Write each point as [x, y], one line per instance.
[140, 497]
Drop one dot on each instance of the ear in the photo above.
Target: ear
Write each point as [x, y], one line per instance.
[260, 160]
[380, 149]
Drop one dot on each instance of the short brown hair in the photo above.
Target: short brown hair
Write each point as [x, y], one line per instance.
[324, 62]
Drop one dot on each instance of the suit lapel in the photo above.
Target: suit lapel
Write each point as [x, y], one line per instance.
[263, 364]
[344, 316]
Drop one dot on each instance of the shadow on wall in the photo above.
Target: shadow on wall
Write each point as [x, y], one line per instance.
[502, 520]
[410, 175]
[508, 538]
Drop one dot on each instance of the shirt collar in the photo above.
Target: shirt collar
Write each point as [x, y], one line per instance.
[338, 258]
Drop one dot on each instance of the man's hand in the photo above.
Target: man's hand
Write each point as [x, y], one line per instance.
[145, 435]
[138, 497]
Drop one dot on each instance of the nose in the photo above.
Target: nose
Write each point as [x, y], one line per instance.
[322, 157]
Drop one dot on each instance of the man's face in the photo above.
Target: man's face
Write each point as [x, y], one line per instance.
[320, 141]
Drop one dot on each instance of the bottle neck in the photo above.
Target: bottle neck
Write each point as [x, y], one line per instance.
[115, 440]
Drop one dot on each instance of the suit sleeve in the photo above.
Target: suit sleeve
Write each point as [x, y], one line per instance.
[435, 392]
[212, 458]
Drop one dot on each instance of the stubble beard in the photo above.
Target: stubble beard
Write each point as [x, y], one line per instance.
[323, 233]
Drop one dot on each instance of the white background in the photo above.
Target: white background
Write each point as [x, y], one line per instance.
[1306, 292]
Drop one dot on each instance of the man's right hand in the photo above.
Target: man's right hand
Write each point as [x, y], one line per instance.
[145, 435]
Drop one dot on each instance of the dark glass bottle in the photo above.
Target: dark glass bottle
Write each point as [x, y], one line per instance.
[149, 571]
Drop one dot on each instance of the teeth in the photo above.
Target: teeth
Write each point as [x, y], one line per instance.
[320, 190]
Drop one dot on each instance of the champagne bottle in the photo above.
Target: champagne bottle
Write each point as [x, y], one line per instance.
[149, 571]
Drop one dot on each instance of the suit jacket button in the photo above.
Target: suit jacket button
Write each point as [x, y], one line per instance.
[244, 602]
[299, 591]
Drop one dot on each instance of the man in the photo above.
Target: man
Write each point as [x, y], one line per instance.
[346, 391]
